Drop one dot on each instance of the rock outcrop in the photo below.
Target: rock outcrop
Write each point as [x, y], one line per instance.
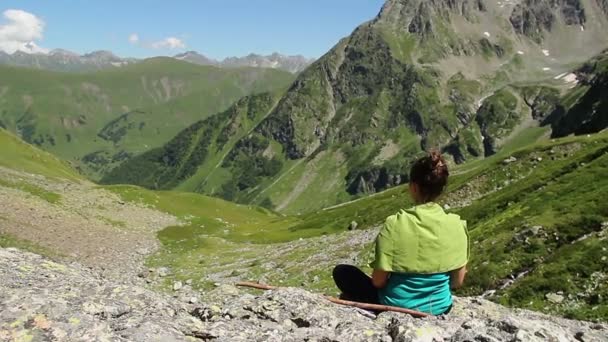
[41, 300]
[589, 113]
[533, 18]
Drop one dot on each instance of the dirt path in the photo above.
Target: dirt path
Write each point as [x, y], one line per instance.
[88, 224]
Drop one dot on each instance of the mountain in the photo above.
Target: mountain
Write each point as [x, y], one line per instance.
[293, 64]
[63, 60]
[196, 58]
[466, 77]
[98, 119]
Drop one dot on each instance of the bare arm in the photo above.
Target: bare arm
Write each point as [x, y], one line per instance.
[457, 277]
[379, 278]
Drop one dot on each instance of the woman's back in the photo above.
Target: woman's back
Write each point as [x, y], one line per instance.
[419, 246]
[422, 239]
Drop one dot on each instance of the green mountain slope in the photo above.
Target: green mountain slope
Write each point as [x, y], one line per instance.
[20, 156]
[465, 77]
[97, 120]
[197, 150]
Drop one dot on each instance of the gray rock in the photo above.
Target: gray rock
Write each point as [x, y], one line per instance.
[177, 286]
[353, 225]
[44, 301]
[163, 271]
[509, 160]
[554, 297]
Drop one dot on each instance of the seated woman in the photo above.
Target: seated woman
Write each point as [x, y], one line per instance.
[421, 253]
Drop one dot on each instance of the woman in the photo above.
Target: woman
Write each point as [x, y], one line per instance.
[421, 253]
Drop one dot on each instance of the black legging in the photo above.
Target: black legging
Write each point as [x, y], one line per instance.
[355, 285]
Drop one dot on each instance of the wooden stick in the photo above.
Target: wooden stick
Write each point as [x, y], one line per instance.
[360, 305]
[377, 307]
[256, 285]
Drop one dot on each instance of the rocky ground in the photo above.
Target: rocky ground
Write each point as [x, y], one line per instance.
[46, 301]
[86, 223]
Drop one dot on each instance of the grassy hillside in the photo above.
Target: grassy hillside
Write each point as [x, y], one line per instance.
[196, 153]
[536, 214]
[97, 120]
[20, 156]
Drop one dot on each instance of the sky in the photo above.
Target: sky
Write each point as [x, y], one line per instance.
[215, 28]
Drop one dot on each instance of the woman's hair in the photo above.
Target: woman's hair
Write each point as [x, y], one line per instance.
[430, 173]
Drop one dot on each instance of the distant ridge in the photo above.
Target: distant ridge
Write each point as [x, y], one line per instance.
[69, 61]
[293, 64]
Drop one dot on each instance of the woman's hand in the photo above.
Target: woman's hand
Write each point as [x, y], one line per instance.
[457, 277]
[379, 278]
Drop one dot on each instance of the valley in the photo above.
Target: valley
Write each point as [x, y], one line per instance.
[134, 197]
[98, 120]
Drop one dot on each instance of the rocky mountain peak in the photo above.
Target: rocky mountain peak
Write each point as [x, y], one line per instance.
[63, 52]
[275, 60]
[102, 55]
[195, 57]
[533, 18]
[415, 15]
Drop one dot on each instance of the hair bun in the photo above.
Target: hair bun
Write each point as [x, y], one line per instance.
[431, 174]
[437, 160]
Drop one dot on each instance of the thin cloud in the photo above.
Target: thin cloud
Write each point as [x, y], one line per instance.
[20, 31]
[134, 38]
[169, 43]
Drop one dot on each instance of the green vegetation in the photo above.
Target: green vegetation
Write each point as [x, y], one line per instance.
[498, 114]
[402, 46]
[97, 120]
[208, 216]
[200, 149]
[9, 241]
[554, 184]
[17, 155]
[548, 216]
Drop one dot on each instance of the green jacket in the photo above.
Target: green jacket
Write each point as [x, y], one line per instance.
[422, 240]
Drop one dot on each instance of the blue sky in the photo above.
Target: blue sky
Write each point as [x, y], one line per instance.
[216, 28]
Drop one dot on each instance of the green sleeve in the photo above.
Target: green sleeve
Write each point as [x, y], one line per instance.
[466, 232]
[384, 249]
